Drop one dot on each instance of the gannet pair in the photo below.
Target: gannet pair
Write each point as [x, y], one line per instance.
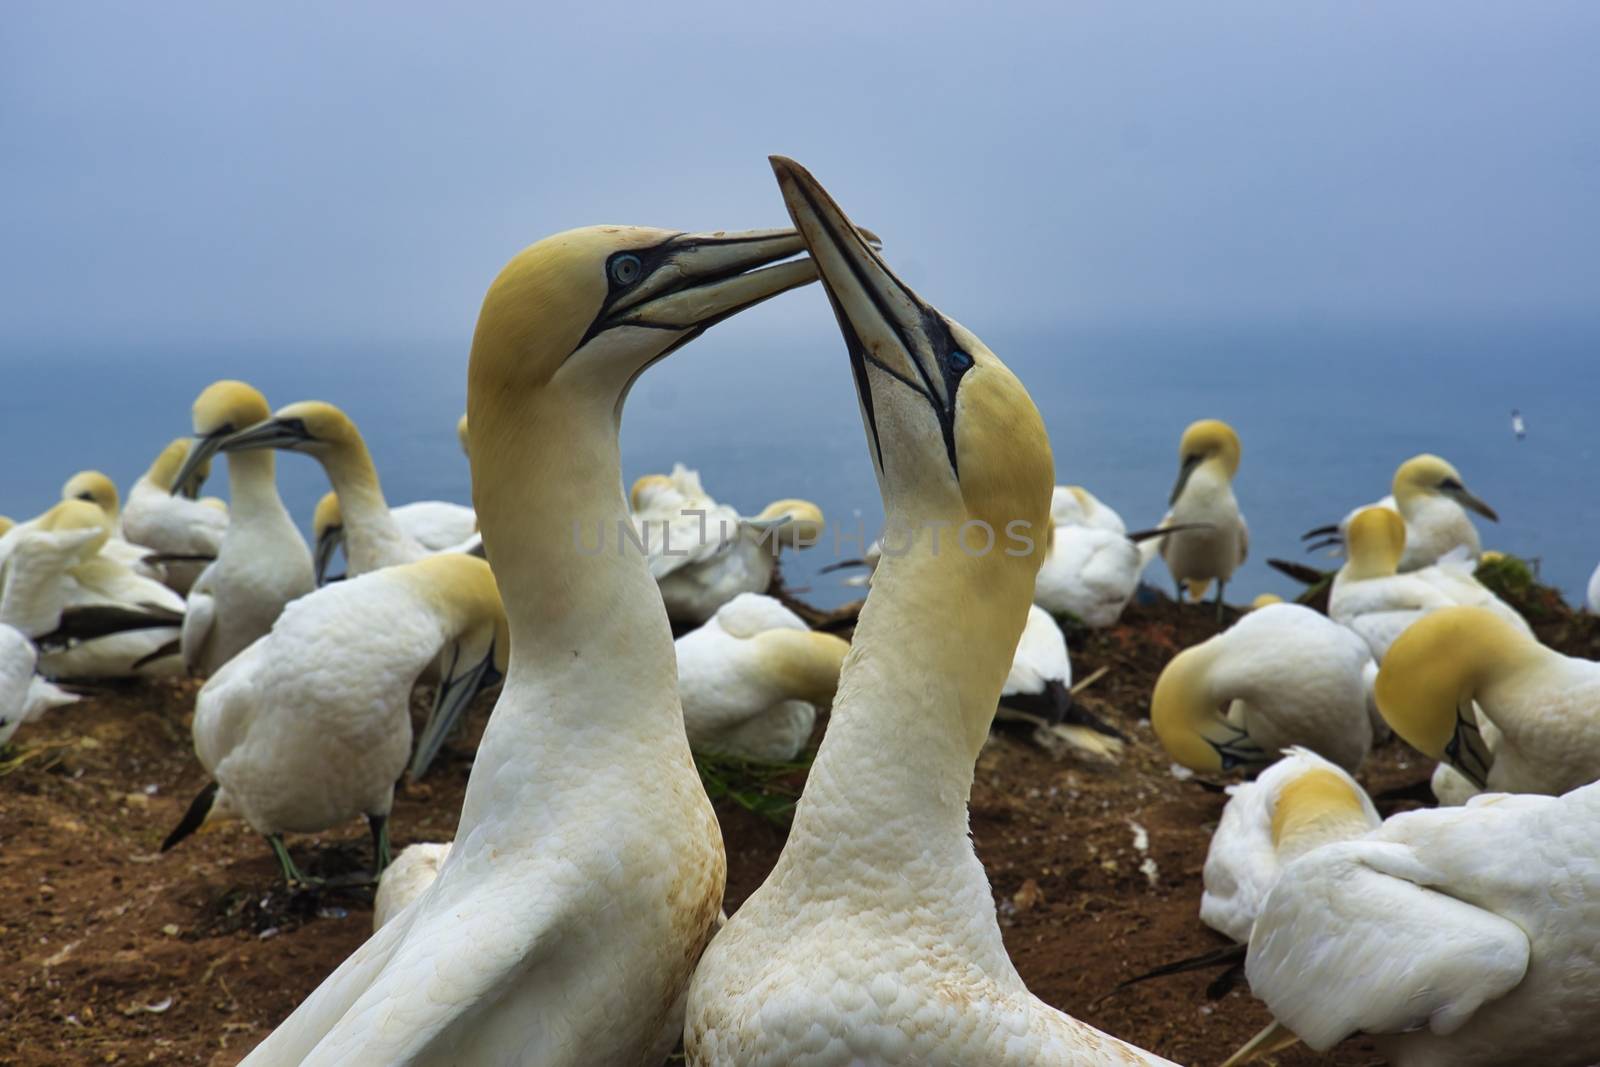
[874, 940]
[1457, 937]
[1283, 675]
[1467, 688]
[310, 726]
[587, 869]
[1372, 599]
[372, 536]
[704, 553]
[52, 563]
[752, 677]
[1428, 494]
[163, 514]
[1208, 455]
[262, 563]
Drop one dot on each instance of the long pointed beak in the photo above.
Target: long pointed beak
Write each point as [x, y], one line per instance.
[1185, 472]
[269, 433]
[200, 454]
[1472, 503]
[455, 693]
[327, 544]
[884, 323]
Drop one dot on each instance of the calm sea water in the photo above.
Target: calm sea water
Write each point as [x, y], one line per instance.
[1325, 413]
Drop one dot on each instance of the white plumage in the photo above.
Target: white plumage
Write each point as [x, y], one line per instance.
[1460, 937]
[158, 516]
[405, 879]
[751, 677]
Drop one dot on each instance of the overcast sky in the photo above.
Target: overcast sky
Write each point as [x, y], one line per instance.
[180, 173]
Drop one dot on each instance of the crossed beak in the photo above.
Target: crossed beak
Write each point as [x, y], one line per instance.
[461, 683]
[268, 433]
[205, 446]
[885, 325]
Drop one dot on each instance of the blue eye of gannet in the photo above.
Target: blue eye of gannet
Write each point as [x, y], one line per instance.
[960, 361]
[625, 268]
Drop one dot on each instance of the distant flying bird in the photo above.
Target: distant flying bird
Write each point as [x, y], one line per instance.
[1518, 427]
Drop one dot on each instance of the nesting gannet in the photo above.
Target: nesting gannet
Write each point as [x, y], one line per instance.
[1282, 675]
[1091, 572]
[1458, 937]
[404, 880]
[164, 517]
[1460, 671]
[1428, 494]
[263, 562]
[18, 658]
[1038, 692]
[750, 679]
[704, 553]
[1299, 803]
[1208, 455]
[1073, 505]
[97, 488]
[373, 537]
[1377, 603]
[310, 726]
[874, 940]
[53, 564]
[587, 869]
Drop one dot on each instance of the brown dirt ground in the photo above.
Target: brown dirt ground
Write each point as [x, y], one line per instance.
[111, 952]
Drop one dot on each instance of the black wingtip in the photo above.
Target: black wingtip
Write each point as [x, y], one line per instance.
[194, 818]
[1321, 531]
[1075, 714]
[1229, 956]
[1298, 571]
[171, 648]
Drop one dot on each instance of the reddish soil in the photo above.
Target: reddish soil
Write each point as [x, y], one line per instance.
[111, 952]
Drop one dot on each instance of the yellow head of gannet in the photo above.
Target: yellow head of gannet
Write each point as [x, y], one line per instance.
[801, 522]
[76, 514]
[1318, 804]
[163, 470]
[1376, 541]
[1208, 441]
[1265, 600]
[1429, 475]
[462, 591]
[461, 434]
[311, 426]
[222, 409]
[645, 487]
[1434, 671]
[96, 488]
[6, 522]
[327, 533]
[1188, 722]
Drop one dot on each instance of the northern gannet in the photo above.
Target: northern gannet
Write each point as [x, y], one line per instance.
[404, 880]
[1379, 604]
[53, 564]
[165, 517]
[98, 488]
[1299, 803]
[587, 868]
[1460, 671]
[1457, 937]
[1282, 675]
[373, 536]
[262, 563]
[310, 726]
[1208, 455]
[751, 678]
[432, 524]
[1091, 572]
[704, 553]
[874, 940]
[1428, 494]
[1073, 505]
[1038, 692]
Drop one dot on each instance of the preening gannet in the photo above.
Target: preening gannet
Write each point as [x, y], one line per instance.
[1091, 572]
[750, 679]
[1282, 675]
[372, 536]
[164, 517]
[1208, 457]
[1370, 598]
[310, 726]
[1543, 707]
[1299, 803]
[263, 562]
[53, 564]
[1457, 937]
[704, 553]
[587, 869]
[1429, 495]
[432, 524]
[874, 940]
[1073, 505]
